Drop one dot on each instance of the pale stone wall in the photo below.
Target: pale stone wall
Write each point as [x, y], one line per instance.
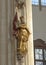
[39, 22]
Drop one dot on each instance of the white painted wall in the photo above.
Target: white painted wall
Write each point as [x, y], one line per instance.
[39, 22]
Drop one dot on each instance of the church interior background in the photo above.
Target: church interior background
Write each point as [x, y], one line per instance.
[22, 32]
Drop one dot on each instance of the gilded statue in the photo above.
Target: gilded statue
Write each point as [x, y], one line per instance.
[23, 35]
[20, 31]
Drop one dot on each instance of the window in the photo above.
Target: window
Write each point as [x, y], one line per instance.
[36, 2]
[39, 52]
[43, 2]
[39, 63]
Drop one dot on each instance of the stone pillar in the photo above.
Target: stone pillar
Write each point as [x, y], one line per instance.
[6, 18]
[30, 60]
[3, 33]
[9, 30]
[12, 39]
[0, 33]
